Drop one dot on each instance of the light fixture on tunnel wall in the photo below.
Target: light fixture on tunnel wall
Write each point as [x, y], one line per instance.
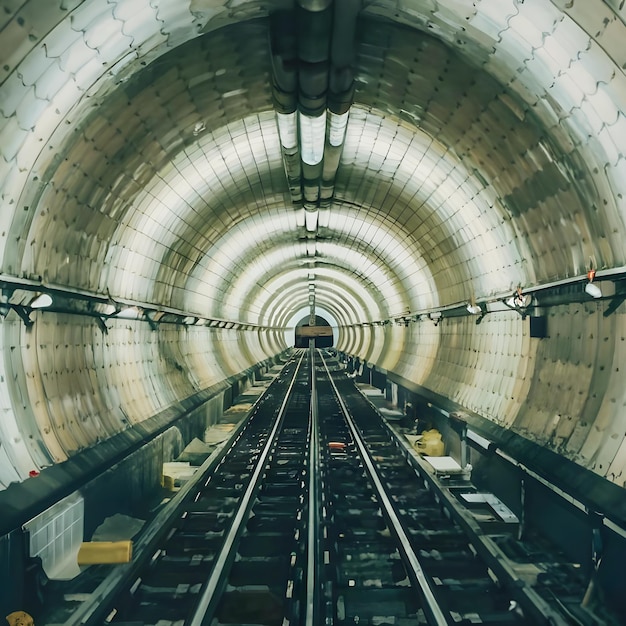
[402, 321]
[477, 310]
[19, 300]
[129, 313]
[436, 316]
[593, 290]
[107, 310]
[23, 297]
[198, 128]
[519, 302]
[42, 301]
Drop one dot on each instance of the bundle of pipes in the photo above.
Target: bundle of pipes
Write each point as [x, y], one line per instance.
[313, 49]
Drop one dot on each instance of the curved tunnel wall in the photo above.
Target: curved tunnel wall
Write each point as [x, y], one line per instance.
[141, 160]
[71, 386]
[564, 391]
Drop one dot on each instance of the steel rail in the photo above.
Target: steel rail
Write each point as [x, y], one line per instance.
[209, 595]
[312, 605]
[433, 611]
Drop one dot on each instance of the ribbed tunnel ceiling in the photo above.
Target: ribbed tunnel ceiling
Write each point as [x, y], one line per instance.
[145, 177]
[141, 163]
[449, 183]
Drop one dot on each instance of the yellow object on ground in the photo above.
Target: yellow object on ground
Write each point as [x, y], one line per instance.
[19, 618]
[176, 474]
[430, 443]
[97, 552]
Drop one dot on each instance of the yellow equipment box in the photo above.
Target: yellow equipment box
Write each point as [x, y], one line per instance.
[97, 552]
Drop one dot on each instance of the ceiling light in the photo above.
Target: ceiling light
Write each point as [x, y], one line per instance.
[312, 135]
[300, 217]
[311, 220]
[474, 309]
[287, 130]
[323, 221]
[42, 301]
[337, 128]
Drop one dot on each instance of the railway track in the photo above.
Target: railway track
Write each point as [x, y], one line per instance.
[313, 515]
[434, 556]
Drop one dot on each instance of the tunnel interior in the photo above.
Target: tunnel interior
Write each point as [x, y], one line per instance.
[443, 182]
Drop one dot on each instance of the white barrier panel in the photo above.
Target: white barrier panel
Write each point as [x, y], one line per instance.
[56, 536]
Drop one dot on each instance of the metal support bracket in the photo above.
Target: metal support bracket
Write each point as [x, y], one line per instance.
[102, 325]
[24, 315]
[153, 325]
[614, 304]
